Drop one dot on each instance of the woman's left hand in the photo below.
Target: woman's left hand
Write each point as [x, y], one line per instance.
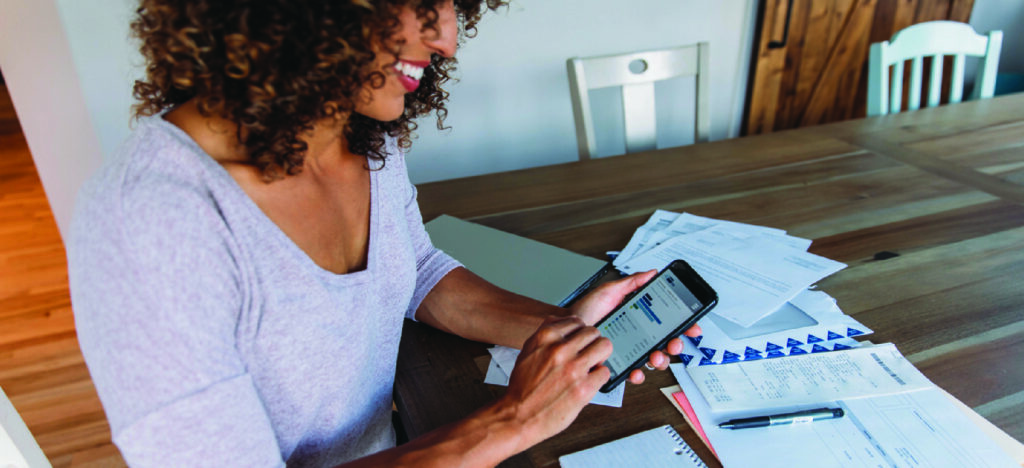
[605, 298]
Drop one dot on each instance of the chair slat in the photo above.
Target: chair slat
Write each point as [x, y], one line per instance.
[985, 81]
[702, 130]
[896, 90]
[585, 140]
[956, 89]
[914, 100]
[878, 81]
[638, 110]
[935, 83]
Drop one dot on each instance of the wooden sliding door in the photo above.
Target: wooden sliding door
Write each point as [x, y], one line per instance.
[810, 62]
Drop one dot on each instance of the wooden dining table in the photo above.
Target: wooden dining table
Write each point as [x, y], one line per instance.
[926, 208]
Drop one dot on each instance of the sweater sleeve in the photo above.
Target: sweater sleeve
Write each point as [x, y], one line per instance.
[432, 264]
[157, 296]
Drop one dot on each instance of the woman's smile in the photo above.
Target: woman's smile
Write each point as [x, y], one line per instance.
[410, 72]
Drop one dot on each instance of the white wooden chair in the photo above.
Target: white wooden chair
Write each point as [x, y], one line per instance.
[636, 73]
[933, 39]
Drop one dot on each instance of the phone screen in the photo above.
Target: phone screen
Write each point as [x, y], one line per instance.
[646, 319]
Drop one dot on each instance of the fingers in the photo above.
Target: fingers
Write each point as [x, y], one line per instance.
[674, 347]
[556, 329]
[632, 282]
[558, 371]
[596, 348]
[658, 360]
[571, 339]
[597, 377]
[602, 300]
[693, 332]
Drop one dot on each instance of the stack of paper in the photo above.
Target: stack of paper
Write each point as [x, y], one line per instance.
[754, 269]
[762, 276]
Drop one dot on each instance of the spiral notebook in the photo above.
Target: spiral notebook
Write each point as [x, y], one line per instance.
[658, 447]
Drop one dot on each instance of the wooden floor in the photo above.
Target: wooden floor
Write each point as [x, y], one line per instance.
[41, 367]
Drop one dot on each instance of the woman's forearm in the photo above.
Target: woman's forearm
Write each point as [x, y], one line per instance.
[485, 438]
[465, 304]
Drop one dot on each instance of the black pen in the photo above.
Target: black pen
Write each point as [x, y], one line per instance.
[787, 418]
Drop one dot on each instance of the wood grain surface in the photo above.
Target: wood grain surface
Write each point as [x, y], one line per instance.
[942, 188]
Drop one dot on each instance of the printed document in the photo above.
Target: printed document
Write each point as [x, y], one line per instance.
[769, 384]
[920, 428]
[754, 274]
[810, 322]
[664, 225]
[647, 236]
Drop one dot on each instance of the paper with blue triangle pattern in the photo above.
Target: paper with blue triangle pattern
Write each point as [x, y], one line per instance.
[824, 316]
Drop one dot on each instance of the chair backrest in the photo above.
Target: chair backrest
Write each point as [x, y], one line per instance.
[636, 73]
[934, 39]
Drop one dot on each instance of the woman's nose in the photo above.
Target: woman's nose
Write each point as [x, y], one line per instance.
[444, 36]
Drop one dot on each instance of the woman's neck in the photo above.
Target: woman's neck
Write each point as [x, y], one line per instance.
[218, 137]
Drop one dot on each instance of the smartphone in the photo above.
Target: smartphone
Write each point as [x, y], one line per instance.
[652, 315]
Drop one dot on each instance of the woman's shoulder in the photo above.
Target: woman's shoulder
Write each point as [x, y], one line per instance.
[394, 162]
[157, 173]
[155, 154]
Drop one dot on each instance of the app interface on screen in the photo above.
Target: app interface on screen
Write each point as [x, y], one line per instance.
[647, 318]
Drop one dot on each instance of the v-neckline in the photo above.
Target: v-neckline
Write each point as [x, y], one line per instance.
[259, 216]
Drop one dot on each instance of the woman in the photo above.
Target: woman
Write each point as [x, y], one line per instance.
[241, 271]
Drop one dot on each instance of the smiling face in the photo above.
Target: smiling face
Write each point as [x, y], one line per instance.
[414, 45]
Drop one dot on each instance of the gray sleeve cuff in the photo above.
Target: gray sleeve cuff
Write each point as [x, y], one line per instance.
[429, 271]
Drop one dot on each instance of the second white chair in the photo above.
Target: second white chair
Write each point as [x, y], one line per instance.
[636, 73]
[933, 39]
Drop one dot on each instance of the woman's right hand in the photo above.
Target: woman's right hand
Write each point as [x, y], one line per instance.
[558, 372]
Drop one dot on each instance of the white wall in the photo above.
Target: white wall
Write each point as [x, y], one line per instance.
[107, 63]
[512, 109]
[1007, 16]
[50, 99]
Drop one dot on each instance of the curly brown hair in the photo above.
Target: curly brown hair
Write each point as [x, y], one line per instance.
[275, 67]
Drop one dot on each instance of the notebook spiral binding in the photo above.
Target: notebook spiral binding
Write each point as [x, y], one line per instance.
[682, 448]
